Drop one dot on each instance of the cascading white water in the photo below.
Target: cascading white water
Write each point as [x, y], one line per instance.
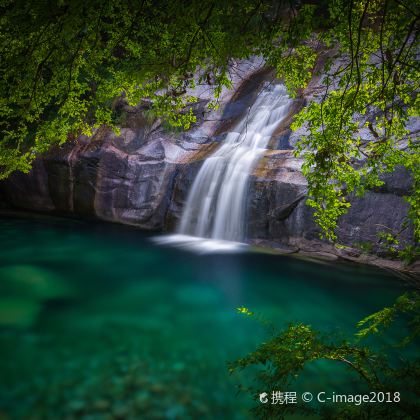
[214, 214]
[215, 207]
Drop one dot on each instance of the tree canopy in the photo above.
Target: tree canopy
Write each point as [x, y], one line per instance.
[65, 62]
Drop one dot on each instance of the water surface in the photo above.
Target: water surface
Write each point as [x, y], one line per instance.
[97, 321]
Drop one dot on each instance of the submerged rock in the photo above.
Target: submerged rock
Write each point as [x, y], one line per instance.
[18, 312]
[24, 289]
[32, 283]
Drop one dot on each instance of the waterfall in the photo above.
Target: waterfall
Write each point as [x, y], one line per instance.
[216, 204]
[215, 207]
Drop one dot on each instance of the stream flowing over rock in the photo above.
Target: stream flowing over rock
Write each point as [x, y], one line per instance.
[216, 204]
[143, 176]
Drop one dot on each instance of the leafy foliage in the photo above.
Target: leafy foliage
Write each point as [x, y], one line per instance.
[64, 63]
[288, 353]
[357, 127]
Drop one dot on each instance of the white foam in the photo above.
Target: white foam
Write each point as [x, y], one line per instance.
[200, 245]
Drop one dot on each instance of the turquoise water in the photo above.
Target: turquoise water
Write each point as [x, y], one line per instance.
[98, 322]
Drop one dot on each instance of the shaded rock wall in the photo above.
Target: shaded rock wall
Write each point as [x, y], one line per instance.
[277, 211]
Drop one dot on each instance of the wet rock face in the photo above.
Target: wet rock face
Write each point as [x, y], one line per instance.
[277, 211]
[381, 210]
[142, 177]
[95, 179]
[28, 191]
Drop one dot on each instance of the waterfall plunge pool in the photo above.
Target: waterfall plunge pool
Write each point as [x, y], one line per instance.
[98, 321]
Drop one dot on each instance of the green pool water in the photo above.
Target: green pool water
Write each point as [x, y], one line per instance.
[98, 322]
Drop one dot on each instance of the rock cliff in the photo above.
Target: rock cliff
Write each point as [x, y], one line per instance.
[142, 177]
